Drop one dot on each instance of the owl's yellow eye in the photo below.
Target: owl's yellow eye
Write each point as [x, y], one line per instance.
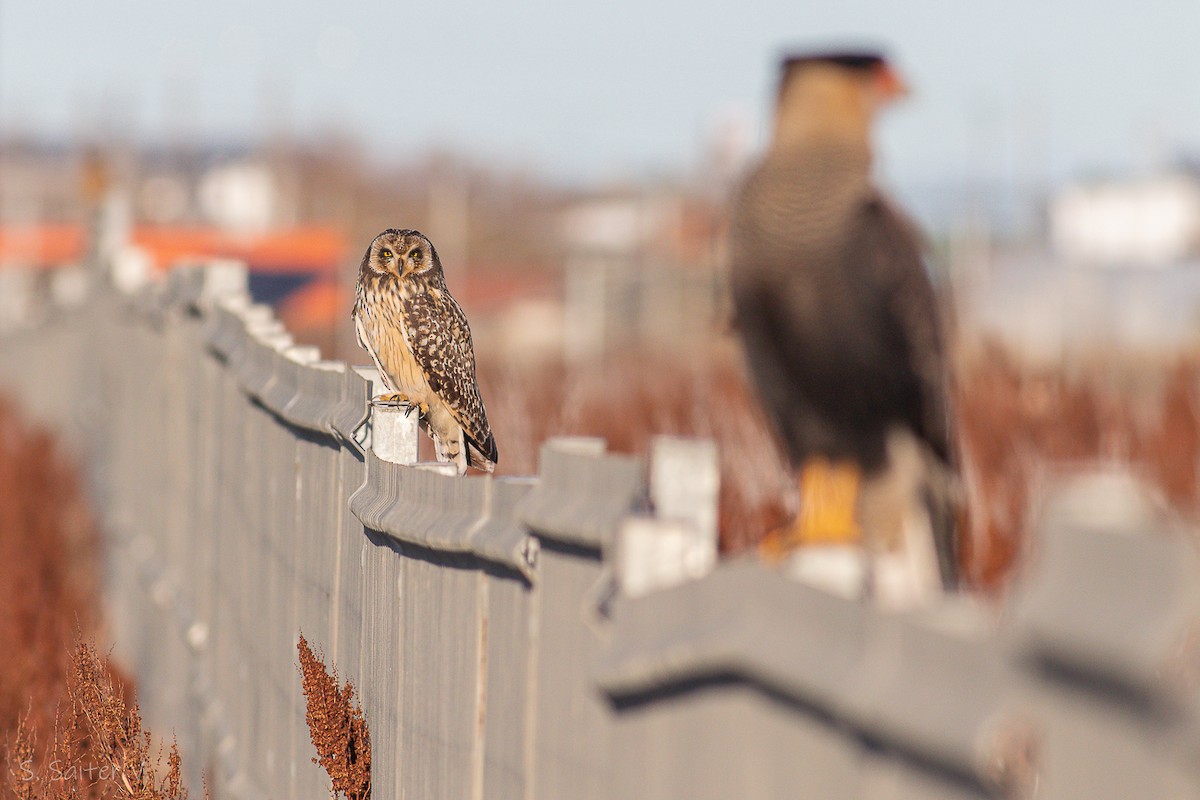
[385, 253]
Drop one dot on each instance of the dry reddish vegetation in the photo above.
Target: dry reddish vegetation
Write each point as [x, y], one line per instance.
[60, 701]
[1013, 422]
[68, 726]
[48, 572]
[336, 726]
[630, 398]
[97, 747]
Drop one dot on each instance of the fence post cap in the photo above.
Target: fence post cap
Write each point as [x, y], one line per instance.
[577, 445]
[302, 354]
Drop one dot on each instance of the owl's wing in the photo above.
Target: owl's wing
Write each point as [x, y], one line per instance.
[366, 344]
[437, 334]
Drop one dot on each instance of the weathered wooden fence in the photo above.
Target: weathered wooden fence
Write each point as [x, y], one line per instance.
[566, 635]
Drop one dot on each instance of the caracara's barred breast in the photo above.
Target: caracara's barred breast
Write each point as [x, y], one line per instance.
[835, 307]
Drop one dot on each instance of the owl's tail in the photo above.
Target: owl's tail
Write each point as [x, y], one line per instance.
[484, 456]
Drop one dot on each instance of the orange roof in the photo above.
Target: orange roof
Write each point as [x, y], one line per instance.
[42, 245]
[317, 306]
[312, 248]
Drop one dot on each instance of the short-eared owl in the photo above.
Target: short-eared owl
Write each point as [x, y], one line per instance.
[419, 339]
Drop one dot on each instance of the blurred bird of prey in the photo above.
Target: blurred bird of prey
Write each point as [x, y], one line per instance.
[840, 324]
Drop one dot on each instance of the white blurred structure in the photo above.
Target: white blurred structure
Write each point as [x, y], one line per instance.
[240, 196]
[640, 267]
[1148, 222]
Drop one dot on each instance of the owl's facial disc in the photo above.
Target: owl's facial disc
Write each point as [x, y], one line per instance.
[385, 260]
[415, 258]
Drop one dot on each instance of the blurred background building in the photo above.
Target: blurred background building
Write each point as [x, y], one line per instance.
[1151, 222]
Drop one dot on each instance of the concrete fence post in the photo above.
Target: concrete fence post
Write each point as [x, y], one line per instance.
[284, 383]
[223, 278]
[16, 297]
[685, 483]
[445, 469]
[131, 269]
[69, 286]
[394, 432]
[679, 543]
[350, 419]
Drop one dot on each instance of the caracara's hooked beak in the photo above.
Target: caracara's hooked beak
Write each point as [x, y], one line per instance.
[889, 83]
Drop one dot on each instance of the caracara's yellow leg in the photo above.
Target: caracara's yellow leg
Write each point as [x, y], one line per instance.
[828, 498]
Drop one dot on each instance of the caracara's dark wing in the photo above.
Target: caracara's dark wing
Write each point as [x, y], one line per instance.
[841, 331]
[910, 317]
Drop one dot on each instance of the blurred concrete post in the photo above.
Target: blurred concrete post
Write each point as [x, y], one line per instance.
[908, 578]
[223, 278]
[449, 204]
[578, 445]
[394, 432]
[261, 323]
[69, 286]
[353, 424]
[584, 308]
[302, 353]
[131, 268]
[685, 483]
[253, 315]
[838, 569]
[438, 468]
[679, 543]
[113, 225]
[274, 336]
[16, 296]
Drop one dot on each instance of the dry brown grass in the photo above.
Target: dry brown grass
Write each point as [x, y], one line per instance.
[630, 398]
[68, 725]
[336, 726]
[1014, 422]
[97, 747]
[49, 563]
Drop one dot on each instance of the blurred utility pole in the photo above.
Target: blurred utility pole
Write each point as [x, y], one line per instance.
[449, 215]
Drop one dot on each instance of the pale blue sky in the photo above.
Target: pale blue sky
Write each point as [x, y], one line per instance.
[1007, 88]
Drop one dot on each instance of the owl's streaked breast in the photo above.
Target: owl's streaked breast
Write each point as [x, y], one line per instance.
[379, 316]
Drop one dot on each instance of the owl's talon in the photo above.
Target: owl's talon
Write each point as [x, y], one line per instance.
[393, 399]
[422, 410]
